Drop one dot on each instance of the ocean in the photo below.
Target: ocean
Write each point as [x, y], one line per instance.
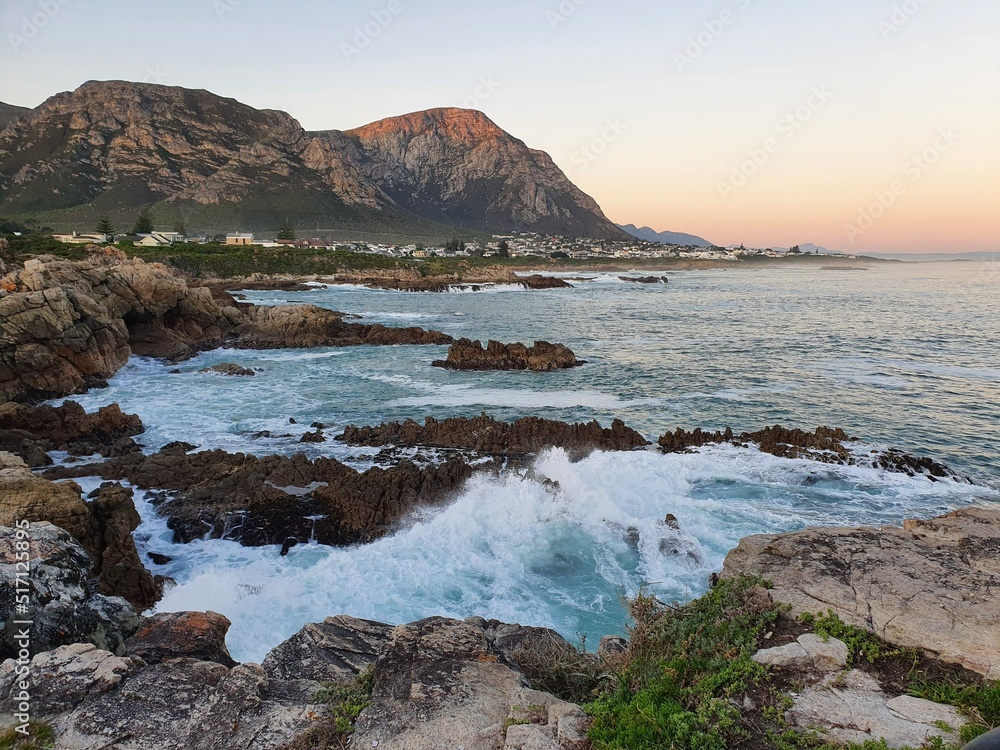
[902, 355]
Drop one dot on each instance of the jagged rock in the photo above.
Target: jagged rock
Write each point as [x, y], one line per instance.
[263, 501]
[853, 709]
[645, 279]
[830, 655]
[542, 357]
[68, 325]
[103, 528]
[231, 370]
[334, 650]
[928, 586]
[825, 445]
[486, 435]
[63, 607]
[174, 635]
[32, 431]
[313, 437]
[443, 679]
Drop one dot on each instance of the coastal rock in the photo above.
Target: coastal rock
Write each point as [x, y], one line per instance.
[486, 435]
[103, 528]
[64, 609]
[645, 279]
[267, 500]
[853, 709]
[175, 635]
[69, 325]
[927, 586]
[542, 357]
[444, 679]
[810, 650]
[231, 370]
[825, 445]
[31, 431]
[335, 650]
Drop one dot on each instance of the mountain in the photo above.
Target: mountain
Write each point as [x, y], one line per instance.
[9, 113]
[667, 238]
[216, 164]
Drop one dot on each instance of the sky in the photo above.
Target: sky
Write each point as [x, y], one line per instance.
[860, 125]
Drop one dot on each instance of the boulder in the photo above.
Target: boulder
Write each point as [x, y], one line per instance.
[231, 370]
[927, 586]
[62, 605]
[486, 435]
[809, 651]
[334, 650]
[542, 357]
[175, 635]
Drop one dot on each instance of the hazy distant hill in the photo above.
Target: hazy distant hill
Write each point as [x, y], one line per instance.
[667, 238]
[216, 164]
[9, 113]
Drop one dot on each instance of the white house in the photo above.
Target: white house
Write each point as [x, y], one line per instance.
[81, 239]
[160, 239]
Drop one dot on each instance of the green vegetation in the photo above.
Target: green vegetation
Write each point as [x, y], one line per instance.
[566, 671]
[344, 703]
[143, 225]
[106, 226]
[286, 232]
[863, 646]
[40, 736]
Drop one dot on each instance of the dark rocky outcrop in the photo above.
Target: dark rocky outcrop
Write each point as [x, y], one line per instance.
[472, 279]
[486, 435]
[63, 606]
[182, 635]
[231, 370]
[542, 357]
[645, 279]
[103, 527]
[262, 501]
[66, 326]
[825, 445]
[32, 431]
[334, 650]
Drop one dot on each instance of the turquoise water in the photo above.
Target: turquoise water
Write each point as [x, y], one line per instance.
[902, 356]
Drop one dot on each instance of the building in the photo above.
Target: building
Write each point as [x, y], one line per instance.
[159, 239]
[239, 238]
[81, 239]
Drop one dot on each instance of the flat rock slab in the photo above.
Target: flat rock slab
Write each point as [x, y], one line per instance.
[930, 586]
[809, 651]
[852, 708]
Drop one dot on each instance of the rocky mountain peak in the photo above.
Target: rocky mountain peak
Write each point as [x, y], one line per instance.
[462, 125]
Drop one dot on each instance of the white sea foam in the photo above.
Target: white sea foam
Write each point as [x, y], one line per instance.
[517, 550]
[467, 395]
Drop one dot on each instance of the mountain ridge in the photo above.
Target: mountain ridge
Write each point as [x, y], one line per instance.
[9, 113]
[212, 162]
[667, 238]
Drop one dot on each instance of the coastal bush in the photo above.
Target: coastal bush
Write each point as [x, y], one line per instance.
[862, 645]
[41, 736]
[554, 666]
[688, 680]
[344, 703]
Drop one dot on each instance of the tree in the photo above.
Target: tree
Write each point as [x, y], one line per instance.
[180, 228]
[143, 225]
[795, 251]
[504, 250]
[105, 227]
[286, 232]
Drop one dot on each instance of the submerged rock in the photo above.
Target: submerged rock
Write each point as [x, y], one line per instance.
[542, 357]
[486, 435]
[928, 586]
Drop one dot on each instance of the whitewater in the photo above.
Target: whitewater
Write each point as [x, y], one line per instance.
[899, 356]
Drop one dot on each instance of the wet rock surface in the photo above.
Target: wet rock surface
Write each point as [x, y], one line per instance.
[542, 357]
[66, 326]
[928, 586]
[825, 445]
[486, 435]
[261, 501]
[64, 607]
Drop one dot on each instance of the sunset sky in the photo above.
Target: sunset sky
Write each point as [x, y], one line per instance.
[859, 125]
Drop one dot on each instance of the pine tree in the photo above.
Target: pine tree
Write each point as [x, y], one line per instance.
[105, 227]
[286, 232]
[144, 225]
[180, 228]
[504, 249]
